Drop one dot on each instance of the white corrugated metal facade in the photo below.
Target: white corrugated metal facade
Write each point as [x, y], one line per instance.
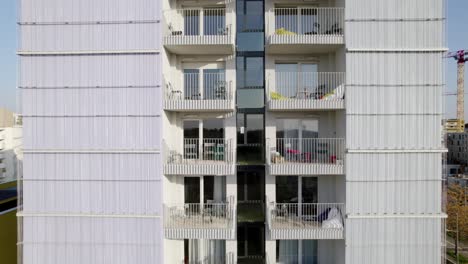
[91, 87]
[395, 82]
[90, 81]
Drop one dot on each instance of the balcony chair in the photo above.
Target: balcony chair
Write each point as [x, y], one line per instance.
[335, 29]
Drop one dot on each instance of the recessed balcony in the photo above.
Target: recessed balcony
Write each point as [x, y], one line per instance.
[300, 30]
[306, 220]
[306, 156]
[212, 156]
[200, 221]
[200, 92]
[306, 91]
[199, 31]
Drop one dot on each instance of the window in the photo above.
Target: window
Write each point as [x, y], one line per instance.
[213, 82]
[191, 84]
[192, 189]
[213, 128]
[296, 80]
[250, 25]
[250, 72]
[290, 251]
[249, 128]
[250, 82]
[300, 20]
[250, 138]
[200, 142]
[214, 21]
[214, 189]
[287, 189]
[297, 128]
[250, 241]
[292, 189]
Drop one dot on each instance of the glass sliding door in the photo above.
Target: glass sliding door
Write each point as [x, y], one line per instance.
[214, 146]
[214, 189]
[296, 252]
[214, 22]
[214, 84]
[309, 210]
[191, 139]
[308, 23]
[192, 84]
[296, 80]
[192, 190]
[295, 139]
[287, 189]
[201, 251]
[287, 251]
[309, 189]
[192, 22]
[309, 252]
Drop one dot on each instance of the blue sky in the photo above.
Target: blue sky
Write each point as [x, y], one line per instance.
[457, 39]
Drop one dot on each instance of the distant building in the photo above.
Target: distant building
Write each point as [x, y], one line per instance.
[457, 145]
[11, 156]
[11, 160]
[7, 118]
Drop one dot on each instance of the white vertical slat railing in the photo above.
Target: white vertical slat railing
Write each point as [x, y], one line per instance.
[197, 26]
[308, 85]
[197, 215]
[307, 150]
[205, 150]
[213, 86]
[309, 21]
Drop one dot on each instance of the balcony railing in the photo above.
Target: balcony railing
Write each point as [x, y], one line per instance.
[209, 156]
[308, 25]
[314, 220]
[309, 21]
[207, 91]
[306, 90]
[292, 156]
[227, 259]
[200, 221]
[197, 26]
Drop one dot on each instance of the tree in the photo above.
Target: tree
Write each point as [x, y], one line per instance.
[457, 204]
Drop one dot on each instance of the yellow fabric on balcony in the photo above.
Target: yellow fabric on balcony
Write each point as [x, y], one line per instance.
[277, 96]
[283, 31]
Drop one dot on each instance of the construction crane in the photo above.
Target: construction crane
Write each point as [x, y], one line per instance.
[458, 125]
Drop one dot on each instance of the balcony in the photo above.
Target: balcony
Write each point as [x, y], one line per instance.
[305, 30]
[212, 156]
[200, 221]
[306, 156]
[201, 92]
[306, 91]
[211, 258]
[199, 31]
[306, 220]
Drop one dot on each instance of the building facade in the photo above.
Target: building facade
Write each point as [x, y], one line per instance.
[236, 131]
[457, 145]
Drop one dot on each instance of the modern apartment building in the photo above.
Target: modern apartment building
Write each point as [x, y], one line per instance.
[236, 131]
[457, 145]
